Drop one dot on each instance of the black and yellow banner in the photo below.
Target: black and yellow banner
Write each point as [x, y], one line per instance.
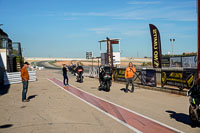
[146, 77]
[156, 46]
[119, 74]
[181, 79]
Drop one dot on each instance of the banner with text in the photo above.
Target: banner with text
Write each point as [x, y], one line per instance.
[181, 79]
[156, 46]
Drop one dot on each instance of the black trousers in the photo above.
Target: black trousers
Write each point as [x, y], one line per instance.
[65, 77]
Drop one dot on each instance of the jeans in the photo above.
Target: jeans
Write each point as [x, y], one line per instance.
[25, 89]
[65, 78]
[128, 80]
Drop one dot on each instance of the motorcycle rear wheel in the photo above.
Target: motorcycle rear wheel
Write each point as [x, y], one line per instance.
[81, 79]
[107, 86]
[193, 116]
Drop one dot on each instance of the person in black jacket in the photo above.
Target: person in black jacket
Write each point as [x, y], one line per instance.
[79, 70]
[79, 67]
[65, 77]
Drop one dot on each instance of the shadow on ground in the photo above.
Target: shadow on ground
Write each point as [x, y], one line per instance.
[180, 117]
[124, 90]
[32, 96]
[6, 126]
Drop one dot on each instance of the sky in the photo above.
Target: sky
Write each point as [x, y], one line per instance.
[69, 28]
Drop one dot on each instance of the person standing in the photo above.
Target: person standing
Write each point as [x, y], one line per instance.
[65, 77]
[25, 78]
[129, 76]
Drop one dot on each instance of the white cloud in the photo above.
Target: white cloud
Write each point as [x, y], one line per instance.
[86, 14]
[70, 19]
[164, 13]
[121, 30]
[135, 32]
[101, 30]
[178, 11]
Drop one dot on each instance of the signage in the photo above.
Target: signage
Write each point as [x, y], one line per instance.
[181, 79]
[156, 46]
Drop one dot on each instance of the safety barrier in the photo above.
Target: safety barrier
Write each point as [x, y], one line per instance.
[175, 77]
[181, 79]
[15, 77]
[142, 76]
[92, 72]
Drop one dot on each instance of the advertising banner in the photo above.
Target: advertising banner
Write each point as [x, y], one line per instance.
[109, 52]
[148, 77]
[116, 58]
[119, 74]
[190, 62]
[181, 79]
[156, 46]
[175, 62]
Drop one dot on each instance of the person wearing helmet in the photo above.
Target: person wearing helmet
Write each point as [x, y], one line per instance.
[79, 70]
[101, 74]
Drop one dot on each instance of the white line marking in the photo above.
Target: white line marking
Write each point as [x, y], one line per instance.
[123, 108]
[125, 124]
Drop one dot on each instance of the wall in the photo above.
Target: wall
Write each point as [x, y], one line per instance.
[3, 59]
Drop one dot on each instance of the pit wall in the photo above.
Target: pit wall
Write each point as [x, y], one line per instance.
[175, 77]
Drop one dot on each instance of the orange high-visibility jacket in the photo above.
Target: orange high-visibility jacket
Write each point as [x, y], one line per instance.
[129, 73]
[24, 74]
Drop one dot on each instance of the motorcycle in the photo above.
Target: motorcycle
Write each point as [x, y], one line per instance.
[105, 79]
[194, 108]
[79, 75]
[70, 68]
[73, 70]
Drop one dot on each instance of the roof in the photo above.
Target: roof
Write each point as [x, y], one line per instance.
[3, 34]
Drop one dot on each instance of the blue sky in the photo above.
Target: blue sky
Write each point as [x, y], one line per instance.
[69, 28]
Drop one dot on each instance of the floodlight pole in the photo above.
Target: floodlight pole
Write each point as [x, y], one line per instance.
[172, 40]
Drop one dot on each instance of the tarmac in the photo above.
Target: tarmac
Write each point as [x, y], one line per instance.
[51, 109]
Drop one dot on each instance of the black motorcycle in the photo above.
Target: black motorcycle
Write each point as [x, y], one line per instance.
[194, 108]
[105, 78]
[79, 75]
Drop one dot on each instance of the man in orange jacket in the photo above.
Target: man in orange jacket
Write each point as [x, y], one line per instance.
[129, 76]
[25, 78]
